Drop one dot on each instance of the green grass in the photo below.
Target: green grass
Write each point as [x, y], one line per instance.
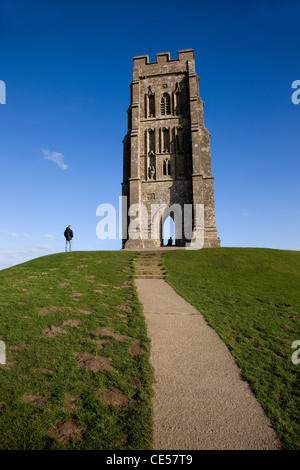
[251, 297]
[22, 298]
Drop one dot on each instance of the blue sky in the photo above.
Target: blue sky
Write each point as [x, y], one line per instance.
[67, 66]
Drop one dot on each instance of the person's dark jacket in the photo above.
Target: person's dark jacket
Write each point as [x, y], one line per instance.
[68, 234]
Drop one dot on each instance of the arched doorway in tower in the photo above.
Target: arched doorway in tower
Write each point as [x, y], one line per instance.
[168, 231]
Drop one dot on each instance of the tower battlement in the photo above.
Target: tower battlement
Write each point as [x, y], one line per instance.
[164, 57]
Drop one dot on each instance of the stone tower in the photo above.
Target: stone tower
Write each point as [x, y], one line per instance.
[167, 161]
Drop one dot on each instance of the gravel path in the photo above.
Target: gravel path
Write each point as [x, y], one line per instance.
[200, 401]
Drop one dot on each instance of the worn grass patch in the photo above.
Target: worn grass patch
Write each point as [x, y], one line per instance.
[251, 297]
[71, 380]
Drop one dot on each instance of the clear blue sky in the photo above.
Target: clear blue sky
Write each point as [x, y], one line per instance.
[67, 65]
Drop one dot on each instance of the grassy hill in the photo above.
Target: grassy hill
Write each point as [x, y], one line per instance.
[251, 297]
[77, 373]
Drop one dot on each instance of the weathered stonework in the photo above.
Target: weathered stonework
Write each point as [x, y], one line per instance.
[167, 150]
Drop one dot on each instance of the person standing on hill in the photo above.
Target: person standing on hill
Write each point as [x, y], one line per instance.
[68, 233]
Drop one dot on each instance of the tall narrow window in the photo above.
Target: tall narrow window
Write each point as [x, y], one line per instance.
[151, 106]
[166, 139]
[166, 167]
[165, 105]
[150, 103]
[151, 141]
[178, 99]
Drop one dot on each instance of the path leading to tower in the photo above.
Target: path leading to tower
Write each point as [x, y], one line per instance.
[201, 401]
